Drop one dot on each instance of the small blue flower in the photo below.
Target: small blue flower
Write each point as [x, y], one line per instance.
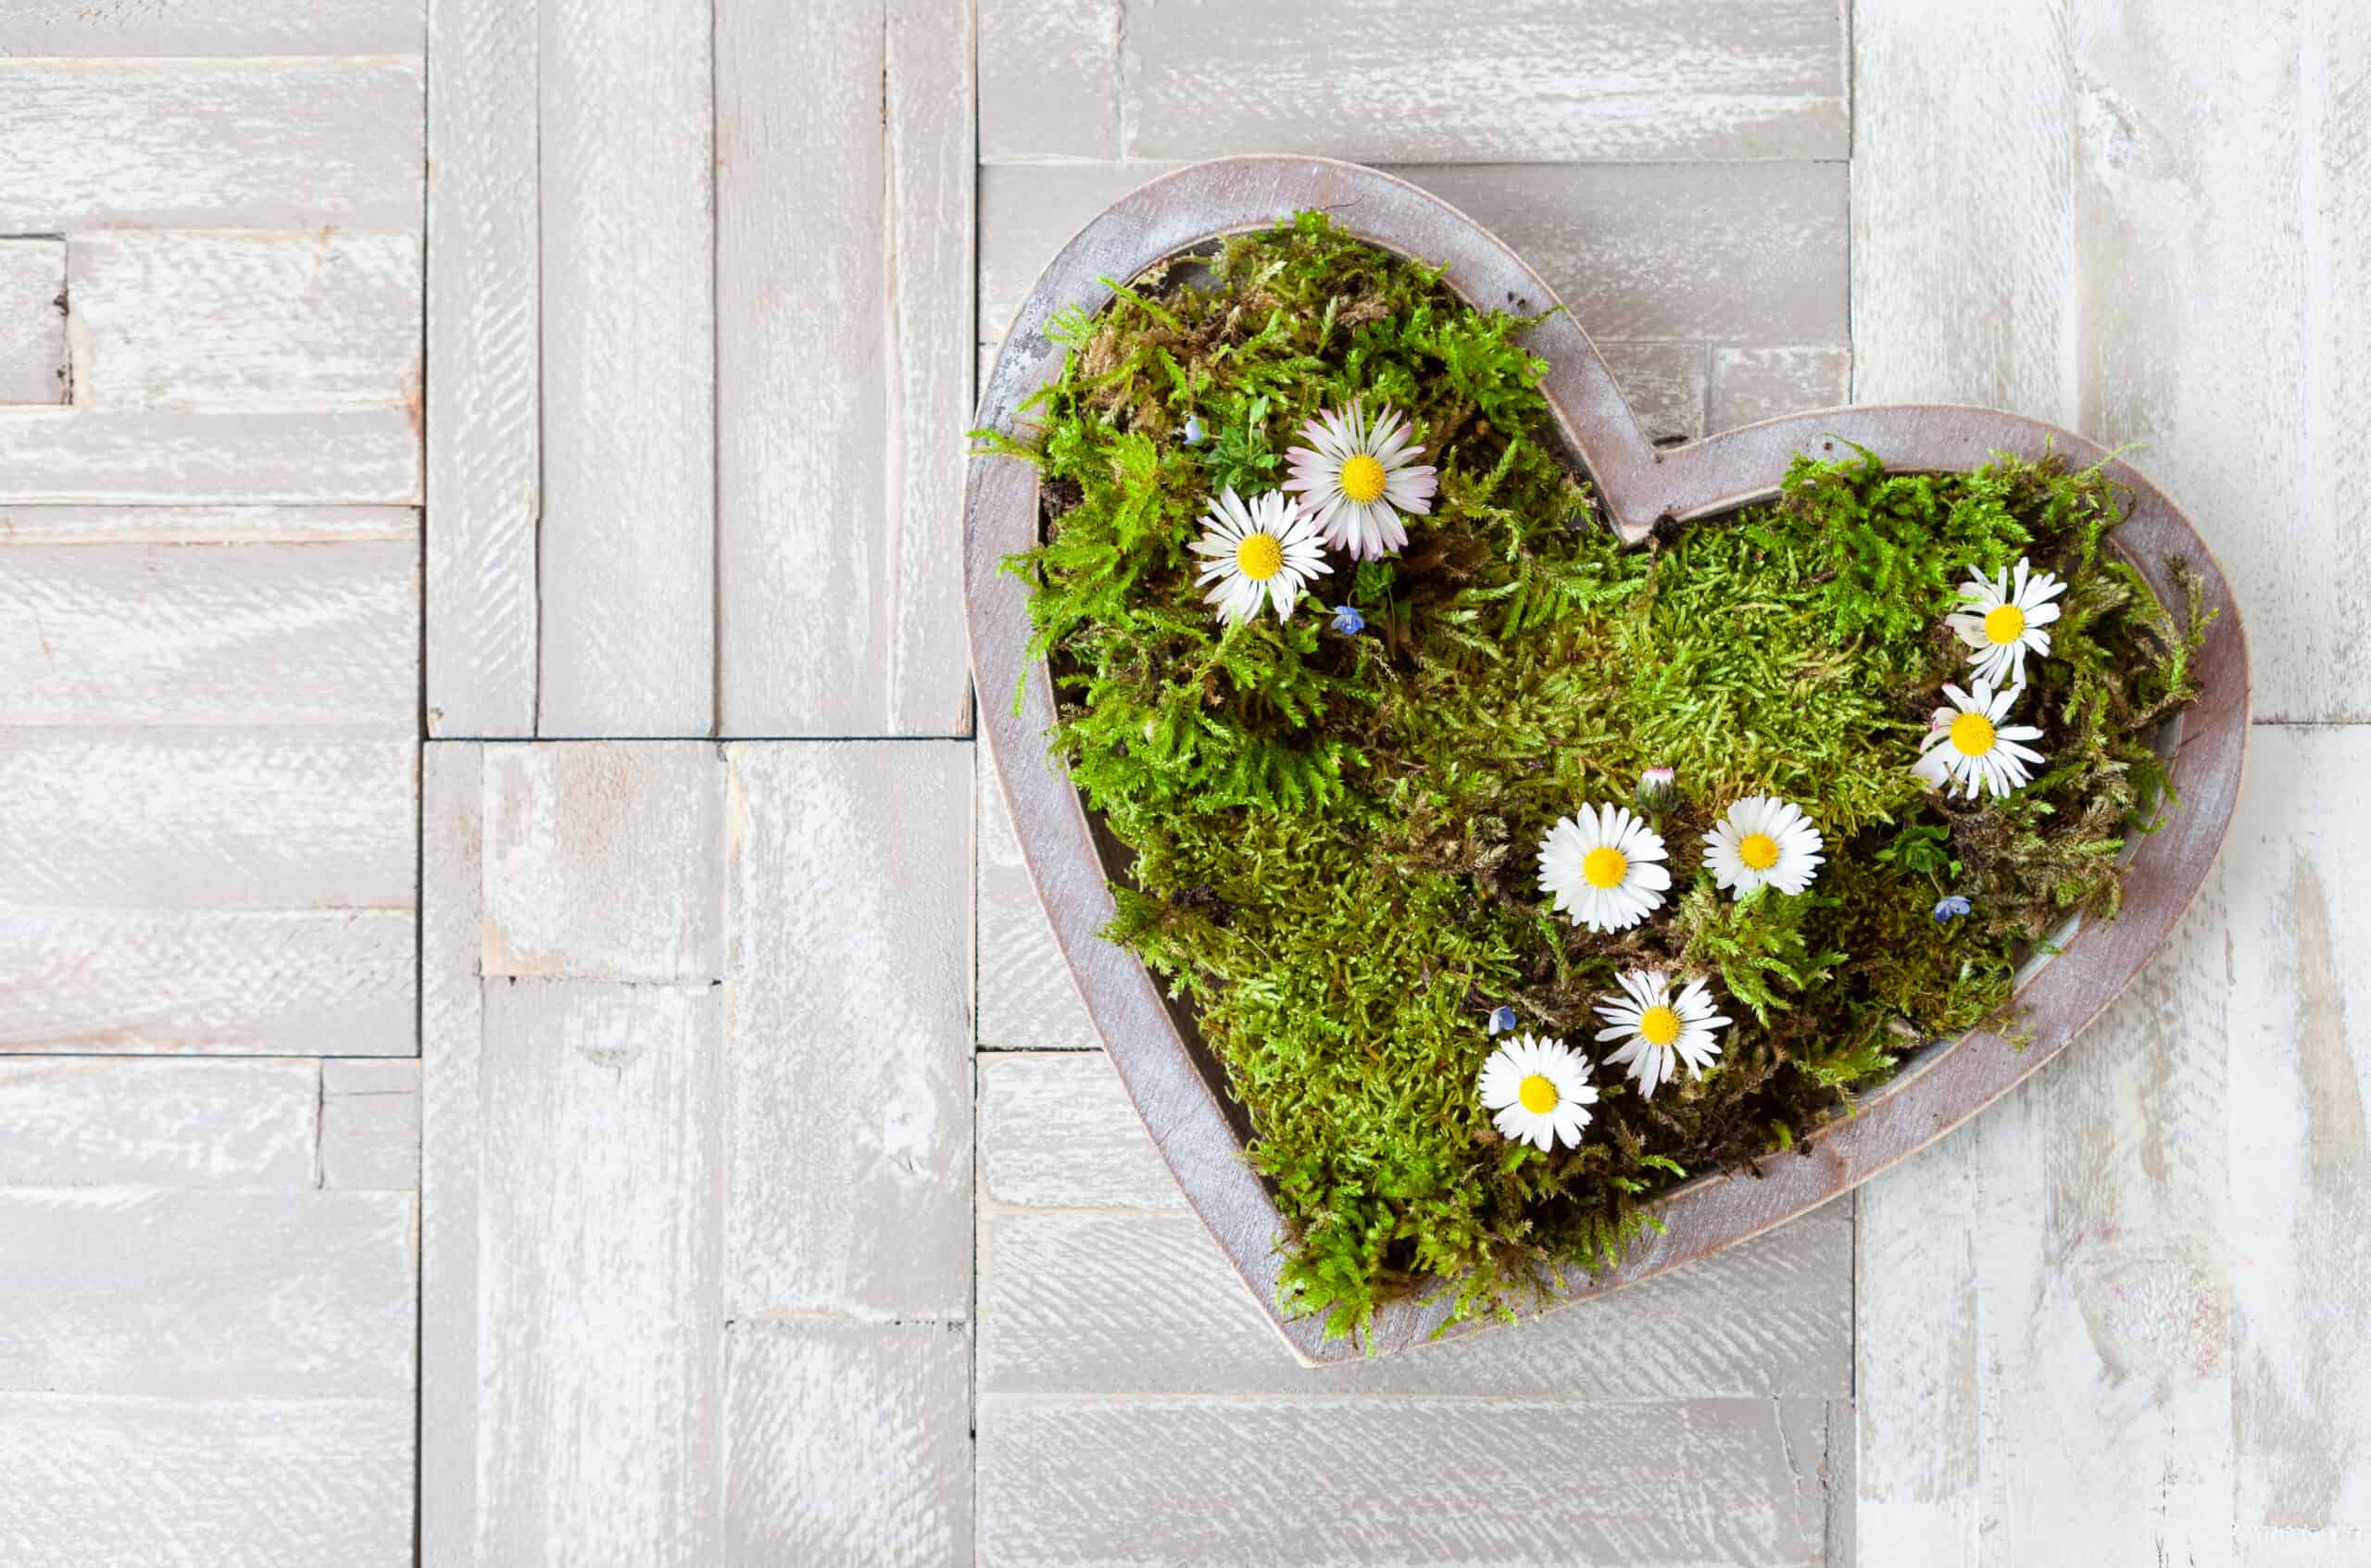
[1502, 1020]
[1349, 621]
[1949, 909]
[1193, 431]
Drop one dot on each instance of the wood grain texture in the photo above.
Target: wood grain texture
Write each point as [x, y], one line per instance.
[1633, 79]
[605, 861]
[328, 982]
[150, 28]
[370, 1117]
[483, 408]
[2155, 221]
[2150, 1260]
[1355, 1480]
[850, 969]
[67, 1122]
[599, 1398]
[82, 457]
[1751, 385]
[206, 526]
[848, 1443]
[208, 1295]
[32, 321]
[180, 635]
[1027, 998]
[290, 1484]
[1057, 1132]
[844, 271]
[627, 549]
[246, 144]
[268, 322]
[162, 819]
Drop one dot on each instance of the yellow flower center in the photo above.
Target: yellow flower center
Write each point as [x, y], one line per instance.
[1604, 867]
[1660, 1025]
[1259, 557]
[1972, 732]
[2004, 624]
[1758, 850]
[1362, 478]
[1538, 1095]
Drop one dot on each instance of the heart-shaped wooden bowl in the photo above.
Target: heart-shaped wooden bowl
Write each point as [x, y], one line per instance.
[1177, 1085]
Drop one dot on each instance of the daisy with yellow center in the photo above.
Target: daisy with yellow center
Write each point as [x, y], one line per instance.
[1971, 744]
[1660, 1032]
[1357, 478]
[1763, 841]
[1265, 551]
[1539, 1091]
[1603, 866]
[2004, 619]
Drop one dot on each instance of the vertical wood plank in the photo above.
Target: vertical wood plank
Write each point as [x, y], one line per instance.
[844, 269]
[627, 551]
[600, 1394]
[483, 413]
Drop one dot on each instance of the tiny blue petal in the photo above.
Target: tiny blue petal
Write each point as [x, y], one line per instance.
[1349, 623]
[1949, 909]
[1193, 431]
[1502, 1020]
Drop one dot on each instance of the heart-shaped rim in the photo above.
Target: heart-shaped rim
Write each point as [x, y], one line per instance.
[1177, 1086]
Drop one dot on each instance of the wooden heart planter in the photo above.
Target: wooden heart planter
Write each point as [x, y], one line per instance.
[1178, 1086]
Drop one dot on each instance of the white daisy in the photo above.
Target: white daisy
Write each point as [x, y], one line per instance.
[1540, 1090]
[2004, 619]
[1266, 550]
[1660, 1033]
[1604, 868]
[1356, 477]
[1968, 745]
[1762, 839]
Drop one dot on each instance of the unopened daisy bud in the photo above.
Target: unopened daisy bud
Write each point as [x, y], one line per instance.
[1193, 431]
[1658, 791]
[1502, 1020]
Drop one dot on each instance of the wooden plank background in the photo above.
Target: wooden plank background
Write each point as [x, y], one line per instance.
[567, 964]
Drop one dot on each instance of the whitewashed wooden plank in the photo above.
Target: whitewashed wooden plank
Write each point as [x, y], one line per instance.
[206, 818]
[1057, 1132]
[1027, 997]
[153, 28]
[850, 968]
[848, 1443]
[605, 861]
[1328, 1480]
[371, 1125]
[1666, 384]
[32, 321]
[335, 981]
[100, 458]
[1751, 385]
[1049, 80]
[451, 1007]
[260, 144]
[599, 1397]
[484, 408]
[132, 1483]
[70, 1121]
[844, 223]
[263, 322]
[204, 525]
[181, 635]
[206, 1295]
[2162, 222]
[629, 522]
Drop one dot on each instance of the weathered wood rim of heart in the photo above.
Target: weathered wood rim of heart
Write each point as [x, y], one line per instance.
[1176, 1086]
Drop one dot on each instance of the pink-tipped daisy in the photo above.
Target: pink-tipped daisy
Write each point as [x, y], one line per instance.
[1357, 478]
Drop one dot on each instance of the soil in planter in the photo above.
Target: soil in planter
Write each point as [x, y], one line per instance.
[1335, 833]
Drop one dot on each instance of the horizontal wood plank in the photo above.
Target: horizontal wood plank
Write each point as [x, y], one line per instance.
[263, 322]
[206, 818]
[151, 28]
[330, 982]
[86, 456]
[1057, 1132]
[291, 1484]
[1763, 383]
[204, 525]
[67, 1122]
[32, 321]
[371, 1125]
[176, 635]
[249, 144]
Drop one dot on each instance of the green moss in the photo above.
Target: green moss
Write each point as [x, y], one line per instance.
[1334, 834]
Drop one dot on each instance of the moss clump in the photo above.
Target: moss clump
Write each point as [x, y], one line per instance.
[1334, 834]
